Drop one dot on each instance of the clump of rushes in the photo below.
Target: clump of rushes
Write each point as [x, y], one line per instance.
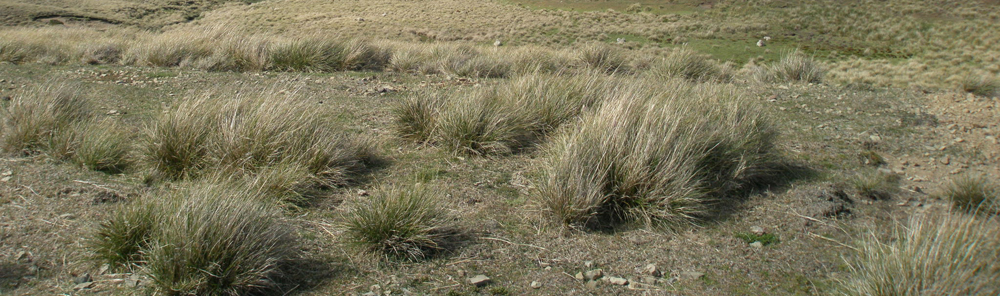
[974, 194]
[240, 133]
[400, 222]
[938, 254]
[654, 157]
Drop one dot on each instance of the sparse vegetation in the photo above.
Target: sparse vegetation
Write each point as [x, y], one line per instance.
[974, 194]
[935, 255]
[400, 222]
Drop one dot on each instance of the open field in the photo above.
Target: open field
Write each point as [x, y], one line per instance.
[385, 147]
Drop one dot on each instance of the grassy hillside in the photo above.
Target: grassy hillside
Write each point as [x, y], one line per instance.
[386, 147]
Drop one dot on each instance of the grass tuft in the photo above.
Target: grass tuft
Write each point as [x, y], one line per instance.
[103, 147]
[121, 240]
[243, 132]
[399, 222]
[217, 240]
[982, 85]
[603, 57]
[946, 254]
[689, 64]
[974, 195]
[875, 184]
[654, 157]
[797, 67]
[40, 119]
[415, 117]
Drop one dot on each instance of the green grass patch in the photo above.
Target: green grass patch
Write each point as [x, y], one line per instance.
[765, 239]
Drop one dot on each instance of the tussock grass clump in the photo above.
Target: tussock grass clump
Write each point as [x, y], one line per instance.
[942, 254]
[219, 242]
[654, 155]
[874, 184]
[485, 124]
[203, 240]
[974, 194]
[242, 133]
[981, 85]
[689, 64]
[501, 119]
[121, 240]
[797, 67]
[308, 55]
[416, 117]
[103, 147]
[38, 119]
[603, 57]
[399, 222]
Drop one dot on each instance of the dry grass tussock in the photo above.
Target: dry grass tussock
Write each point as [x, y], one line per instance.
[202, 240]
[503, 118]
[53, 119]
[254, 133]
[400, 222]
[689, 64]
[937, 254]
[793, 67]
[974, 194]
[654, 155]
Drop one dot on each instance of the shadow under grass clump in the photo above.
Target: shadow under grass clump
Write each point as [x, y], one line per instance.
[402, 223]
[655, 156]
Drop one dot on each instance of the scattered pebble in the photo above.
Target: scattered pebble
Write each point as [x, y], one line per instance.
[593, 274]
[479, 280]
[757, 230]
[536, 285]
[617, 280]
[651, 269]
